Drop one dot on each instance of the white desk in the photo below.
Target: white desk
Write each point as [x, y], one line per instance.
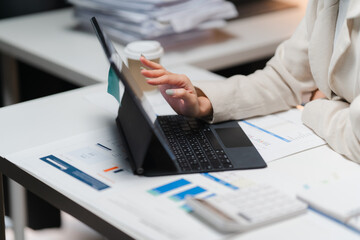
[67, 114]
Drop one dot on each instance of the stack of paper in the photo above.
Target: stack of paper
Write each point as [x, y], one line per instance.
[338, 199]
[130, 20]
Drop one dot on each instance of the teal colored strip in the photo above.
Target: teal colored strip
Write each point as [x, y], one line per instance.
[113, 85]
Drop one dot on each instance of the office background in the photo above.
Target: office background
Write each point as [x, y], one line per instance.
[40, 85]
[40, 213]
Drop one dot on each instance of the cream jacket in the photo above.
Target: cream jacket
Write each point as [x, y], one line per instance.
[301, 64]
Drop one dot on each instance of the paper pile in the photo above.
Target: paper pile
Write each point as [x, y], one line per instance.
[130, 20]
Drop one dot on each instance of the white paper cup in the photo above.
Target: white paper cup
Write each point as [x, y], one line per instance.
[152, 50]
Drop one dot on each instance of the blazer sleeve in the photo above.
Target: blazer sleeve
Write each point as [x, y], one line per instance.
[338, 123]
[279, 86]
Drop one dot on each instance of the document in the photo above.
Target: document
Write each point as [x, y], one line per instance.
[137, 20]
[280, 134]
[338, 199]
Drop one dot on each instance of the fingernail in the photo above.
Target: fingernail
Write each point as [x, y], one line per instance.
[142, 55]
[169, 92]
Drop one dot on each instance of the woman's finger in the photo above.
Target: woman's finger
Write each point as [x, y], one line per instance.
[149, 63]
[179, 93]
[187, 102]
[154, 73]
[173, 79]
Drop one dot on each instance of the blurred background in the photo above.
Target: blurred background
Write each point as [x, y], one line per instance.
[34, 83]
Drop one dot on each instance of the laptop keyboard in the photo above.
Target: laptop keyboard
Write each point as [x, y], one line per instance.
[194, 145]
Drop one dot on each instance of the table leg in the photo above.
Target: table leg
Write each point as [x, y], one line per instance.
[10, 80]
[18, 209]
[11, 95]
[2, 209]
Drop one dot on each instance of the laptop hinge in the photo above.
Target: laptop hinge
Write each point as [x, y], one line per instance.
[157, 161]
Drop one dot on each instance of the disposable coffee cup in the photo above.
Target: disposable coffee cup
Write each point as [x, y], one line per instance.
[152, 50]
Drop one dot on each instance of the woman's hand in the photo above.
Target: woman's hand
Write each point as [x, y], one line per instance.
[317, 94]
[178, 90]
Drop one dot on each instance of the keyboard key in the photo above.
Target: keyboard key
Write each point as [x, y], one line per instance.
[193, 144]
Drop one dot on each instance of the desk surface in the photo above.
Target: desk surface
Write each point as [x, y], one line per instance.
[50, 42]
[44, 120]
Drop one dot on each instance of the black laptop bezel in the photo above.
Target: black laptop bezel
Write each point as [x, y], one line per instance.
[124, 75]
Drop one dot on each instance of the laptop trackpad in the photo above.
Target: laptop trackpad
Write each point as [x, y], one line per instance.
[233, 137]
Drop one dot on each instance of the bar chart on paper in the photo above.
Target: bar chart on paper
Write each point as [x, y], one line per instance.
[176, 191]
[75, 172]
[279, 135]
[101, 158]
[168, 187]
[204, 185]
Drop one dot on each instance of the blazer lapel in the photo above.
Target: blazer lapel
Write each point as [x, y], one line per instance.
[321, 44]
[344, 38]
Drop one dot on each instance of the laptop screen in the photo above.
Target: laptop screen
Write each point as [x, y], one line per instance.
[117, 62]
[136, 117]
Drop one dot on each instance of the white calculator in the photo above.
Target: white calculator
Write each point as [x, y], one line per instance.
[246, 208]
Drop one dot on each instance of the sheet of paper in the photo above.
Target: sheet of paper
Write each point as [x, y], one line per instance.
[104, 101]
[279, 135]
[337, 199]
[146, 20]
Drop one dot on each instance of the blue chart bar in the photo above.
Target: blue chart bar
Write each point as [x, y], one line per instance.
[74, 172]
[266, 131]
[168, 187]
[218, 180]
[186, 208]
[190, 192]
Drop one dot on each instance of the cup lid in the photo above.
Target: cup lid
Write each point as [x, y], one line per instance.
[150, 49]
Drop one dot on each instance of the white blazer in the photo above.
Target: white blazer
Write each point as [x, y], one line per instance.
[308, 60]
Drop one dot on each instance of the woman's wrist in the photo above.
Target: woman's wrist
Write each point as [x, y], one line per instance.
[205, 107]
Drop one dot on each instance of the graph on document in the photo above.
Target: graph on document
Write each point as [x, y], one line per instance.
[177, 190]
[279, 135]
[101, 159]
[203, 185]
[231, 179]
[279, 127]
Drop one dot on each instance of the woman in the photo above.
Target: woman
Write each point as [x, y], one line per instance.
[321, 59]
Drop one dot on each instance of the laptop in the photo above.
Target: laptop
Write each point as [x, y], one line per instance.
[174, 144]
